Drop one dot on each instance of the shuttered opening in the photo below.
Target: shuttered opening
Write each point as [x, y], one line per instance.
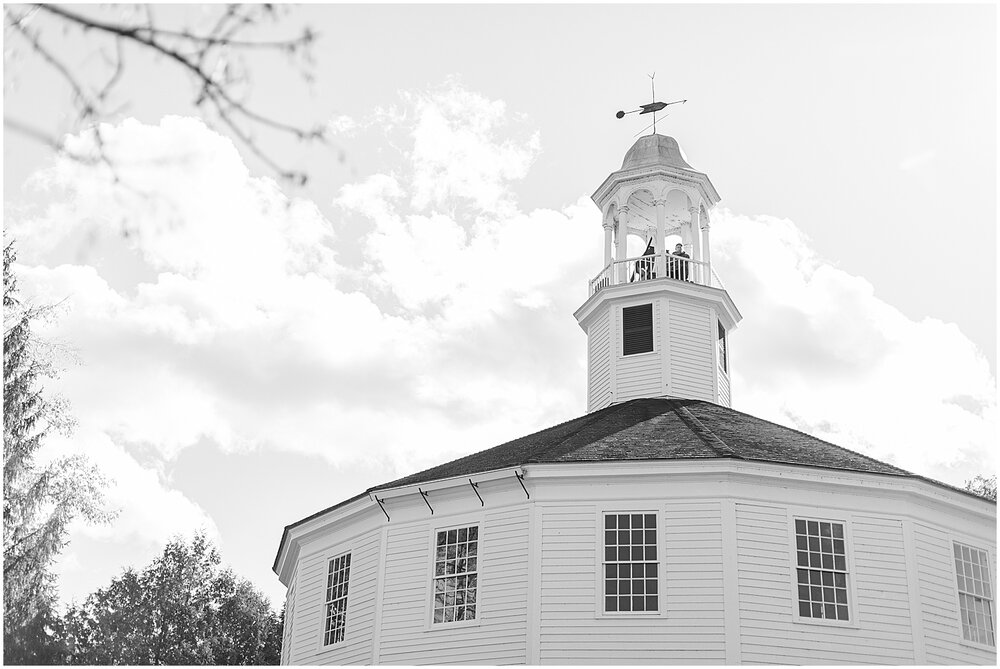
[723, 351]
[637, 329]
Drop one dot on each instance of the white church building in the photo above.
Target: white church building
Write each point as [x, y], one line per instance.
[661, 527]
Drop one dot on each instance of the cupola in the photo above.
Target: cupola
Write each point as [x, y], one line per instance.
[657, 318]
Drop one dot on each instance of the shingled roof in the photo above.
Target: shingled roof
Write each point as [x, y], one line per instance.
[658, 429]
[651, 429]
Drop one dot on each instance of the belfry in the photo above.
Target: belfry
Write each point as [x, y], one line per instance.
[657, 323]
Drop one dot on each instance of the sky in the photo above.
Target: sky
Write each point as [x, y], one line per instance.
[244, 352]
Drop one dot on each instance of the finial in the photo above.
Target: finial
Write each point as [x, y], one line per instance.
[652, 107]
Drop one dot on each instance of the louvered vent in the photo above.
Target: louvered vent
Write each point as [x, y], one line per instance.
[637, 329]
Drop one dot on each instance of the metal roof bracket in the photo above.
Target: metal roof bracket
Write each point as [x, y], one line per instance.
[424, 495]
[520, 479]
[475, 489]
[381, 506]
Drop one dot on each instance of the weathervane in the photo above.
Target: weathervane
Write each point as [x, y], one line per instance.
[650, 108]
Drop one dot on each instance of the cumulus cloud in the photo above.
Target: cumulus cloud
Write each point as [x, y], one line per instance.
[450, 328]
[819, 351]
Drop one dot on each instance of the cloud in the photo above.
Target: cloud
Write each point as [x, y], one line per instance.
[438, 322]
[819, 351]
[917, 160]
[147, 509]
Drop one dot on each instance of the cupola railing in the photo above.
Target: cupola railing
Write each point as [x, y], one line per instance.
[655, 266]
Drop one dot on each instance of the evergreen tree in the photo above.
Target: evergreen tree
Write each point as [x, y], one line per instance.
[181, 609]
[39, 500]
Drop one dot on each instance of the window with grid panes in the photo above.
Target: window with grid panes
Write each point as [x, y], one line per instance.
[337, 578]
[821, 569]
[631, 568]
[456, 573]
[975, 594]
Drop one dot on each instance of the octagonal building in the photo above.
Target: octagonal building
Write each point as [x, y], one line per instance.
[662, 526]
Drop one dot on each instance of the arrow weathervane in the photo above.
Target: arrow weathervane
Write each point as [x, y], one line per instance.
[652, 107]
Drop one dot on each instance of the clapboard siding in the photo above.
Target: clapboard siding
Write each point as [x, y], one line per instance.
[639, 375]
[308, 612]
[691, 356]
[691, 629]
[500, 635]
[769, 632]
[286, 633]
[599, 365]
[939, 598]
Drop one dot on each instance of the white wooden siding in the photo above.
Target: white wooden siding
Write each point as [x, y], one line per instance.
[691, 629]
[639, 375]
[691, 339]
[939, 599]
[286, 633]
[599, 364]
[724, 397]
[770, 634]
[500, 635]
[308, 619]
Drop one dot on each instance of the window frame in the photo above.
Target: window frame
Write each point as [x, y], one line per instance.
[330, 557]
[819, 515]
[636, 506]
[990, 555]
[652, 325]
[456, 523]
[722, 347]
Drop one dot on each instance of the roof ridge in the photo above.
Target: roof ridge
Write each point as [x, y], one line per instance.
[710, 439]
[589, 419]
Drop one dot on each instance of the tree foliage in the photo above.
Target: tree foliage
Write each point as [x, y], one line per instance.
[984, 486]
[181, 609]
[40, 500]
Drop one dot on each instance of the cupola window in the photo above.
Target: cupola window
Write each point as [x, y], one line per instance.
[723, 349]
[637, 329]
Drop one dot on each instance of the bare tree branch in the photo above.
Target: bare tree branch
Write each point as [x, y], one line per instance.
[196, 54]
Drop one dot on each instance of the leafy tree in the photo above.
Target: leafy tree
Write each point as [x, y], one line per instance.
[39, 500]
[983, 486]
[181, 609]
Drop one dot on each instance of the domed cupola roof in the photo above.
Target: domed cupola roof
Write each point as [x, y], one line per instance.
[655, 150]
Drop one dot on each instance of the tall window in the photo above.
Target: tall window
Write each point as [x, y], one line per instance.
[631, 578]
[637, 329]
[723, 351]
[456, 574]
[975, 594]
[337, 578]
[821, 569]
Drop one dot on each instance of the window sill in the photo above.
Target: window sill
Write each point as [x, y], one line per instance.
[826, 622]
[630, 356]
[458, 624]
[986, 648]
[627, 615]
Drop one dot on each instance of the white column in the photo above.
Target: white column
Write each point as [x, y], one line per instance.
[608, 237]
[696, 243]
[695, 234]
[706, 248]
[622, 245]
[661, 236]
